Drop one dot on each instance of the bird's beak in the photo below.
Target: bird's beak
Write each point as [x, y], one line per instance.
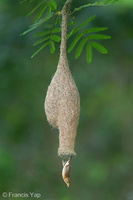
[68, 184]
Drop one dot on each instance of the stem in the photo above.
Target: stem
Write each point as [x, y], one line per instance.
[64, 12]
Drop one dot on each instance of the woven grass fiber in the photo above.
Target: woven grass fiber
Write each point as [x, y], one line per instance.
[62, 107]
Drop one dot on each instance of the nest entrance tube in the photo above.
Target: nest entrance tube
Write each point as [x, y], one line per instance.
[62, 103]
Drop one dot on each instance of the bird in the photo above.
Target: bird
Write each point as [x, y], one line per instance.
[66, 171]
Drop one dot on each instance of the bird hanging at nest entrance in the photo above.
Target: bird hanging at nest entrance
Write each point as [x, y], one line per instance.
[66, 171]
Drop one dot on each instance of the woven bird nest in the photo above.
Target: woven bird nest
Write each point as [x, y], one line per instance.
[62, 103]
[62, 107]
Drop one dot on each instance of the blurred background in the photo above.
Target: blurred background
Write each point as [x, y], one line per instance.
[103, 168]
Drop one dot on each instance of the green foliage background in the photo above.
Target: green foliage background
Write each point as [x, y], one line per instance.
[103, 167]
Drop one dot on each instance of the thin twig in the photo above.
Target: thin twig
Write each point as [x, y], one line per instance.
[64, 13]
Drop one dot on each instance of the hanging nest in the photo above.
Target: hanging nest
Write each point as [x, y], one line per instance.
[62, 103]
[62, 107]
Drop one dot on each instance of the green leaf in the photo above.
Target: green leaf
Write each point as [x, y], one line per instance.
[52, 46]
[95, 29]
[38, 5]
[56, 30]
[70, 23]
[41, 34]
[49, 10]
[22, 1]
[25, 32]
[72, 32]
[58, 20]
[38, 16]
[48, 26]
[44, 45]
[88, 53]
[80, 47]
[40, 41]
[56, 38]
[76, 39]
[52, 4]
[87, 20]
[80, 26]
[39, 23]
[99, 47]
[98, 37]
[100, 3]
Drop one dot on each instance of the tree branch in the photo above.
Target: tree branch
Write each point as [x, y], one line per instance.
[64, 13]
